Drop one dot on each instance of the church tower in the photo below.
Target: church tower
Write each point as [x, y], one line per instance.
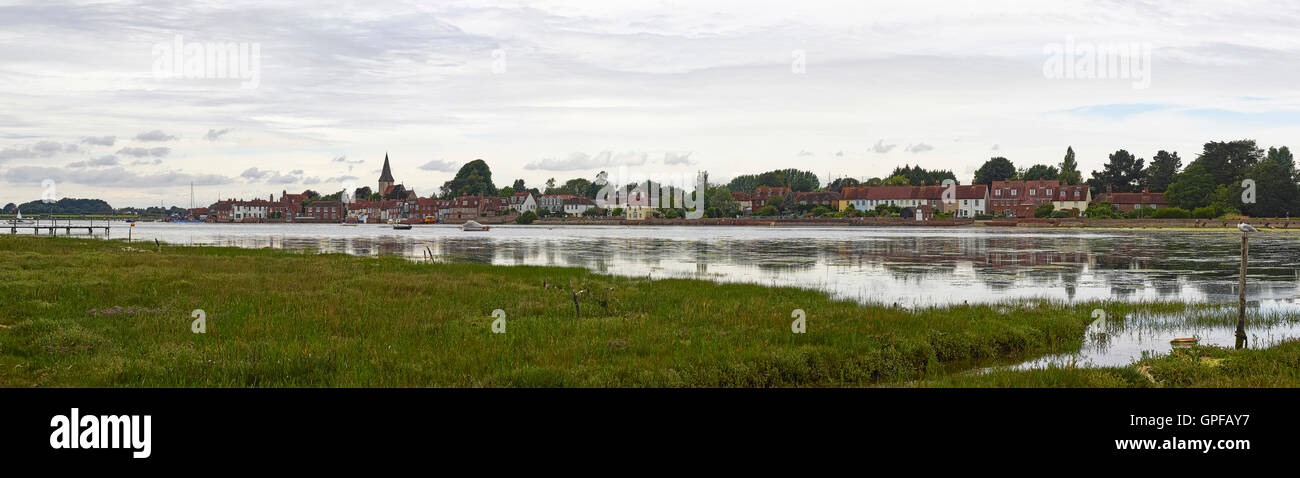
[385, 177]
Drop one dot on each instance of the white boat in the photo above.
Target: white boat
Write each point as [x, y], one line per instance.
[19, 221]
[473, 226]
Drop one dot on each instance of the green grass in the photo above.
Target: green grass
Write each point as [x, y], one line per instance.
[1277, 366]
[282, 318]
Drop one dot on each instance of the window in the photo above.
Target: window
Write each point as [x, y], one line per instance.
[1013, 192]
[1032, 191]
[997, 192]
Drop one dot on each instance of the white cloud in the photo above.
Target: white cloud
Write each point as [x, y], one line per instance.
[580, 161]
[155, 135]
[439, 165]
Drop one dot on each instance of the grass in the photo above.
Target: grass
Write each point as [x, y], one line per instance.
[99, 313]
[1277, 366]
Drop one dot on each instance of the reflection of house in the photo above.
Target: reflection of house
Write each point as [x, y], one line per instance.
[1129, 201]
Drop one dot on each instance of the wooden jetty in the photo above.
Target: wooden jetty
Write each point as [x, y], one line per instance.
[52, 225]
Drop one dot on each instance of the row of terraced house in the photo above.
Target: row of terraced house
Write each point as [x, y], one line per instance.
[1002, 198]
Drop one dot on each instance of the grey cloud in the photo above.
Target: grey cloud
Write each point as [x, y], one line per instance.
[99, 140]
[439, 165]
[311, 180]
[96, 162]
[42, 149]
[918, 148]
[145, 152]
[296, 172]
[146, 162]
[341, 179]
[255, 174]
[996, 147]
[677, 159]
[881, 147]
[579, 160]
[344, 159]
[112, 177]
[805, 153]
[214, 134]
[155, 135]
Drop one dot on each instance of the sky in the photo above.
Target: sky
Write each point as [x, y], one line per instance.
[100, 98]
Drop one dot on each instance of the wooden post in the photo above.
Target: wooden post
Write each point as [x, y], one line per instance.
[1241, 294]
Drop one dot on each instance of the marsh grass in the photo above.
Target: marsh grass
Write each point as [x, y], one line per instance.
[282, 319]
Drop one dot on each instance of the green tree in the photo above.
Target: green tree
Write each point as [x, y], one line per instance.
[918, 176]
[475, 177]
[1191, 188]
[1124, 173]
[838, 185]
[1070, 169]
[526, 218]
[519, 186]
[1044, 210]
[995, 169]
[1103, 210]
[506, 192]
[1283, 156]
[1041, 171]
[897, 180]
[1275, 192]
[720, 197]
[1164, 165]
[1228, 161]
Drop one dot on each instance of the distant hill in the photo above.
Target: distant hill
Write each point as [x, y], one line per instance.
[65, 206]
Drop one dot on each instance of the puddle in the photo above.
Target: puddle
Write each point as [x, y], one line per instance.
[1121, 343]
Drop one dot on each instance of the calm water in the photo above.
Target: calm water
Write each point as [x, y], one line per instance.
[912, 267]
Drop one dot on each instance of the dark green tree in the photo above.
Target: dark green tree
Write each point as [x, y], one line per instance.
[1124, 173]
[1070, 169]
[475, 177]
[995, 169]
[1228, 161]
[1275, 192]
[1041, 171]
[1191, 188]
[1164, 165]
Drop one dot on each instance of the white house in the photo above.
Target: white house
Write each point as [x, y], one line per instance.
[578, 205]
[523, 202]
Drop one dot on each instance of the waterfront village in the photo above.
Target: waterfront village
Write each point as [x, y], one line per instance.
[910, 194]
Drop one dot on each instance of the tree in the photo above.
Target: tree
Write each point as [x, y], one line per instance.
[1040, 172]
[1161, 173]
[1124, 173]
[1103, 210]
[775, 201]
[918, 176]
[1191, 188]
[1070, 169]
[10, 208]
[1283, 156]
[519, 186]
[838, 185]
[1228, 161]
[720, 197]
[475, 177]
[1044, 210]
[362, 192]
[995, 169]
[897, 180]
[1275, 193]
[506, 192]
[767, 210]
[550, 186]
[526, 218]
[743, 183]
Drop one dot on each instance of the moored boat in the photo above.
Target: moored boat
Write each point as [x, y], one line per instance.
[473, 226]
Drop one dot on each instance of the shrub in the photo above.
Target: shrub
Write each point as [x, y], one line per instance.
[1205, 212]
[1171, 213]
[1044, 210]
[1103, 210]
[768, 210]
[526, 218]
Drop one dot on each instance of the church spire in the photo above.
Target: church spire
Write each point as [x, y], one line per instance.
[387, 174]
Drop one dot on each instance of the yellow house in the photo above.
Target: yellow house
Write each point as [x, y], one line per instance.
[636, 213]
[1072, 197]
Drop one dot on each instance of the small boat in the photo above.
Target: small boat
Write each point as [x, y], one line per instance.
[1185, 341]
[402, 227]
[19, 221]
[430, 219]
[473, 226]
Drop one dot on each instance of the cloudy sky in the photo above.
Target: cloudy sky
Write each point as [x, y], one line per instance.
[564, 89]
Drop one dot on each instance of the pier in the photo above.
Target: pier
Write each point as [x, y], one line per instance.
[52, 225]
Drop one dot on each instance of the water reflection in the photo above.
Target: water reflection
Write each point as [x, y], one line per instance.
[910, 266]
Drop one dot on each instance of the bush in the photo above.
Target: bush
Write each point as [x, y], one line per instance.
[1171, 213]
[1044, 210]
[983, 217]
[767, 211]
[526, 218]
[1061, 214]
[820, 211]
[1140, 212]
[1205, 212]
[1103, 210]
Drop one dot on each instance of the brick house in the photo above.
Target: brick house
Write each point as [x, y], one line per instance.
[1021, 198]
[324, 211]
[1129, 201]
